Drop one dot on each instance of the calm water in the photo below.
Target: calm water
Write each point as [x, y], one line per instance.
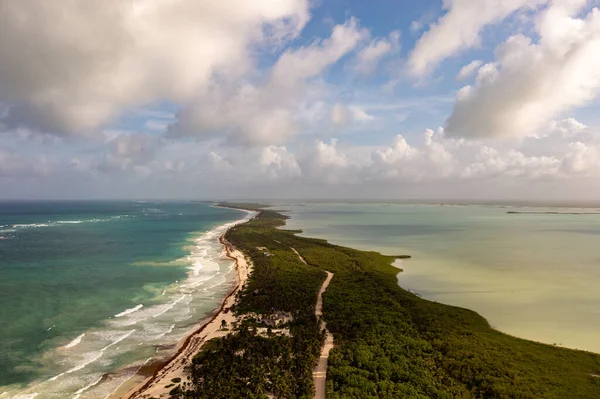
[87, 288]
[535, 276]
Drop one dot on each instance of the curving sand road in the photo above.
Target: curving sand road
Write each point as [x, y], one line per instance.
[320, 372]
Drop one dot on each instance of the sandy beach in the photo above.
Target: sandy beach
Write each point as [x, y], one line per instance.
[162, 375]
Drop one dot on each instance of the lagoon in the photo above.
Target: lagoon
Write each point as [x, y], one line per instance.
[531, 275]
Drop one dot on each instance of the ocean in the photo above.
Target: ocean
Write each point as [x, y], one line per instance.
[531, 275]
[91, 291]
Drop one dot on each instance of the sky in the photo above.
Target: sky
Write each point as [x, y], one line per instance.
[300, 99]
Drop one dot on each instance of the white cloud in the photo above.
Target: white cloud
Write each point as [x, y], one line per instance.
[569, 127]
[277, 164]
[468, 70]
[261, 166]
[403, 162]
[89, 60]
[514, 164]
[416, 26]
[143, 165]
[368, 58]
[430, 158]
[460, 29]
[452, 161]
[582, 159]
[328, 164]
[339, 115]
[532, 83]
[342, 115]
[360, 115]
[127, 151]
[328, 155]
[265, 114]
[421, 23]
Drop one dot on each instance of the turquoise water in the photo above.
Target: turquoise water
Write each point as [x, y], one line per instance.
[88, 288]
[534, 276]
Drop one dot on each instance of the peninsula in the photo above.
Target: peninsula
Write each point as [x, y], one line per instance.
[380, 341]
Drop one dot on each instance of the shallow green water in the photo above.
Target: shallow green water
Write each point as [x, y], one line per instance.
[535, 276]
[87, 288]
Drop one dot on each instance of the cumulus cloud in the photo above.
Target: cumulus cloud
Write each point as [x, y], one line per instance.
[276, 163]
[266, 114]
[404, 162]
[564, 155]
[328, 155]
[431, 157]
[570, 127]
[342, 115]
[532, 82]
[514, 164]
[581, 159]
[468, 70]
[460, 29]
[73, 68]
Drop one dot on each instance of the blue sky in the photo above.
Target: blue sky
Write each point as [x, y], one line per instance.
[494, 99]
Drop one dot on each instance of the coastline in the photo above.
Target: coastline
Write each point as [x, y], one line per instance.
[152, 378]
[139, 337]
[444, 340]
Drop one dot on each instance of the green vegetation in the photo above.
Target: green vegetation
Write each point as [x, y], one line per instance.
[389, 342]
[251, 364]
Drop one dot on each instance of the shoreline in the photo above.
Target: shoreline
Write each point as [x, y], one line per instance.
[122, 381]
[150, 379]
[434, 323]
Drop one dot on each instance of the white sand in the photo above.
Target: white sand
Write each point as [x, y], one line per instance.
[155, 386]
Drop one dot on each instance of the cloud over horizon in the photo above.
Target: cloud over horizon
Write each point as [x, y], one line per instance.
[129, 98]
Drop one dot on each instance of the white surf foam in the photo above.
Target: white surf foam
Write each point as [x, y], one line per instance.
[169, 306]
[75, 342]
[124, 380]
[129, 311]
[121, 338]
[29, 225]
[85, 388]
[91, 357]
[184, 299]
[169, 331]
[20, 226]
[87, 359]
[197, 267]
